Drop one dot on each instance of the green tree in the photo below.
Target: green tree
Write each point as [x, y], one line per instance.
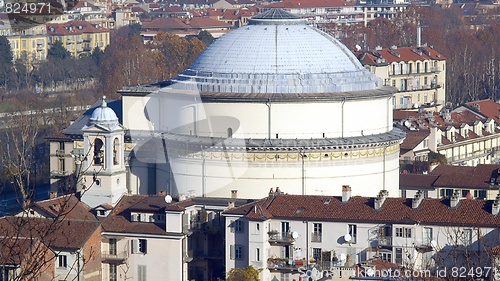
[248, 273]
[6, 65]
[204, 36]
[57, 51]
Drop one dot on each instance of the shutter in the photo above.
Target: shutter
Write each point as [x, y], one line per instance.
[134, 246]
[231, 252]
[144, 246]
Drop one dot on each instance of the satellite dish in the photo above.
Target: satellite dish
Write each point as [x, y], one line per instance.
[295, 235]
[407, 123]
[347, 237]
[434, 243]
[370, 272]
[358, 47]
[168, 199]
[343, 257]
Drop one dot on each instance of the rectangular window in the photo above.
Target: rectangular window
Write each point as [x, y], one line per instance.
[112, 246]
[112, 272]
[139, 246]
[257, 254]
[407, 232]
[236, 252]
[141, 273]
[238, 226]
[399, 256]
[317, 254]
[62, 261]
[353, 231]
[467, 237]
[316, 235]
[427, 235]
[386, 256]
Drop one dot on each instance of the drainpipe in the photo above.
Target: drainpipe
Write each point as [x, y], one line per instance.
[268, 104]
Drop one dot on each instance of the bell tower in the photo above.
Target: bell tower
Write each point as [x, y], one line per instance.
[103, 169]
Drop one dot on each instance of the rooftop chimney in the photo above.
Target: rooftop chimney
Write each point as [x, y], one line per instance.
[346, 193]
[234, 193]
[419, 36]
[417, 199]
[495, 209]
[230, 204]
[455, 198]
[162, 193]
[379, 201]
[53, 194]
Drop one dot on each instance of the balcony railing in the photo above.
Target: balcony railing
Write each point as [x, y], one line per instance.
[114, 256]
[385, 241]
[281, 237]
[59, 173]
[316, 237]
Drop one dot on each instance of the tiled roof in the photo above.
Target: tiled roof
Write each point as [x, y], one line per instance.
[408, 54]
[488, 108]
[478, 177]
[72, 28]
[469, 212]
[417, 181]
[176, 23]
[310, 4]
[404, 114]
[13, 250]
[66, 207]
[61, 234]
[413, 138]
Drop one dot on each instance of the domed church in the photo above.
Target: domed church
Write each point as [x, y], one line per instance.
[276, 103]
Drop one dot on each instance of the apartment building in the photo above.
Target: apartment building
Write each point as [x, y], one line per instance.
[419, 73]
[462, 135]
[27, 42]
[80, 38]
[287, 235]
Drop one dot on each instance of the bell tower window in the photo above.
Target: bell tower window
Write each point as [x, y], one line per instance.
[98, 152]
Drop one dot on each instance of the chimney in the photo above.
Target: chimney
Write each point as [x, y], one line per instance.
[234, 194]
[417, 199]
[495, 209]
[379, 201]
[346, 193]
[419, 36]
[162, 193]
[230, 204]
[454, 199]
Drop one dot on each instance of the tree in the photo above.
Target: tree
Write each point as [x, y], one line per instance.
[57, 51]
[204, 36]
[6, 65]
[248, 273]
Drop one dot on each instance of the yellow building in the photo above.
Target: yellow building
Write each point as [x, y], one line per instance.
[78, 37]
[27, 43]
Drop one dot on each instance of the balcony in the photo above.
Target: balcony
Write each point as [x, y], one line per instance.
[423, 246]
[59, 174]
[284, 264]
[115, 257]
[280, 238]
[316, 237]
[385, 241]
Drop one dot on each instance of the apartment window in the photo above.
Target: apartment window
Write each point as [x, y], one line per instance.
[139, 246]
[316, 235]
[256, 228]
[257, 254]
[238, 226]
[427, 235]
[353, 230]
[317, 253]
[236, 252]
[386, 256]
[112, 246]
[61, 165]
[141, 273]
[62, 261]
[480, 194]
[112, 272]
[399, 255]
[407, 232]
[399, 232]
[467, 237]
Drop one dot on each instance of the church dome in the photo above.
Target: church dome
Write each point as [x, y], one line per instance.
[277, 53]
[104, 116]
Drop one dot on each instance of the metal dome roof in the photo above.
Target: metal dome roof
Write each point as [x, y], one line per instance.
[104, 116]
[277, 53]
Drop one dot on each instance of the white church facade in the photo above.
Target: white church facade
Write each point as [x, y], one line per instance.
[274, 103]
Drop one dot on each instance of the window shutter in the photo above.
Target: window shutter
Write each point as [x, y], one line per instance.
[144, 246]
[231, 252]
[134, 246]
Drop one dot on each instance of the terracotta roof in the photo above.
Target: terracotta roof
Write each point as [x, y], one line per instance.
[66, 207]
[176, 23]
[413, 138]
[469, 212]
[404, 114]
[12, 251]
[496, 250]
[72, 28]
[478, 177]
[310, 4]
[61, 234]
[417, 181]
[408, 54]
[488, 108]
[58, 136]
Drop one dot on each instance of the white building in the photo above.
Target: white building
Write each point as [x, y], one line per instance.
[287, 235]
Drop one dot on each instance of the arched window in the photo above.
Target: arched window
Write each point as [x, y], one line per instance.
[426, 67]
[229, 132]
[98, 152]
[116, 147]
